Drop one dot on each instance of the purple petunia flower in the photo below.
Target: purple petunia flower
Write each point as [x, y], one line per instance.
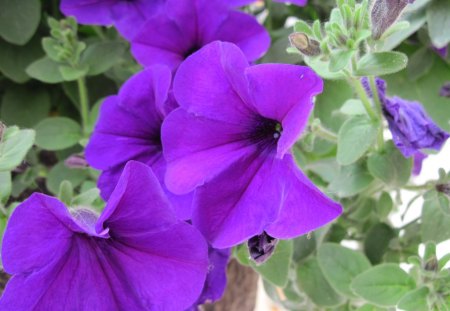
[412, 129]
[129, 128]
[128, 16]
[134, 256]
[237, 3]
[231, 138]
[216, 279]
[418, 159]
[184, 26]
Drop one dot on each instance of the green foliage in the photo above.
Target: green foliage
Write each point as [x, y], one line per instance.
[57, 133]
[383, 285]
[438, 20]
[435, 220]
[350, 181]
[14, 145]
[381, 63]
[19, 20]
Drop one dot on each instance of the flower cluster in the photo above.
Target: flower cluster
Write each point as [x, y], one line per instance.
[195, 158]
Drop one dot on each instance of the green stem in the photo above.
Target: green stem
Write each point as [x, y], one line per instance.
[417, 187]
[268, 4]
[378, 107]
[364, 99]
[99, 32]
[84, 104]
[410, 223]
[324, 133]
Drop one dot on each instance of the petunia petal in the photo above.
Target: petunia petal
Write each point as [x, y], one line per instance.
[241, 201]
[131, 210]
[95, 12]
[197, 149]
[284, 93]
[40, 220]
[211, 84]
[305, 207]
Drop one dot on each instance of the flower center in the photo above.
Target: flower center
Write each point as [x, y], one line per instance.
[265, 132]
[194, 48]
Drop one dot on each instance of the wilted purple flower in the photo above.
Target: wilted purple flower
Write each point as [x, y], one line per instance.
[76, 161]
[134, 256]
[384, 14]
[237, 3]
[184, 26]
[418, 158]
[129, 128]
[216, 279]
[127, 16]
[231, 138]
[412, 129]
[445, 90]
[261, 247]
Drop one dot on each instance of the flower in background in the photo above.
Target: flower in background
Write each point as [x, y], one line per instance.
[418, 159]
[184, 26]
[445, 90]
[135, 254]
[442, 52]
[411, 127]
[384, 14]
[231, 139]
[127, 16]
[129, 128]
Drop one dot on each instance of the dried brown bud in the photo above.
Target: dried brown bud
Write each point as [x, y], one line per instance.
[305, 45]
[384, 14]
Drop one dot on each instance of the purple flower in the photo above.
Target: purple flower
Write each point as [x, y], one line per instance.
[231, 138]
[412, 129]
[128, 16]
[418, 159]
[129, 128]
[135, 255]
[184, 26]
[445, 90]
[238, 3]
[216, 279]
[442, 52]
[261, 247]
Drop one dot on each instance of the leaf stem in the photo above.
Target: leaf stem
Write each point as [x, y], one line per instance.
[378, 107]
[324, 133]
[84, 103]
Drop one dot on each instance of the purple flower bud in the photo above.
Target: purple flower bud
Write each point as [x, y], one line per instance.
[76, 161]
[442, 52]
[412, 129]
[384, 14]
[261, 247]
[305, 45]
[445, 90]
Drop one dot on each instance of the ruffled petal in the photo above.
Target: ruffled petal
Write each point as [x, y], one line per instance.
[284, 93]
[211, 83]
[197, 149]
[241, 201]
[305, 207]
[40, 220]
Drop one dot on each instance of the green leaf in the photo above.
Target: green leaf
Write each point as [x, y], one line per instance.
[5, 186]
[57, 133]
[45, 70]
[390, 166]
[19, 20]
[350, 181]
[301, 26]
[276, 269]
[355, 137]
[14, 146]
[101, 56]
[340, 59]
[439, 22]
[383, 285]
[15, 59]
[71, 74]
[381, 63]
[321, 68]
[420, 63]
[368, 307]
[384, 205]
[435, 222]
[25, 106]
[377, 241]
[415, 300]
[340, 266]
[241, 254]
[353, 107]
[86, 198]
[65, 193]
[304, 246]
[60, 172]
[311, 280]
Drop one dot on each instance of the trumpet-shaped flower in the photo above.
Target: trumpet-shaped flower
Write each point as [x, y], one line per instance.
[184, 26]
[129, 128]
[231, 138]
[135, 256]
